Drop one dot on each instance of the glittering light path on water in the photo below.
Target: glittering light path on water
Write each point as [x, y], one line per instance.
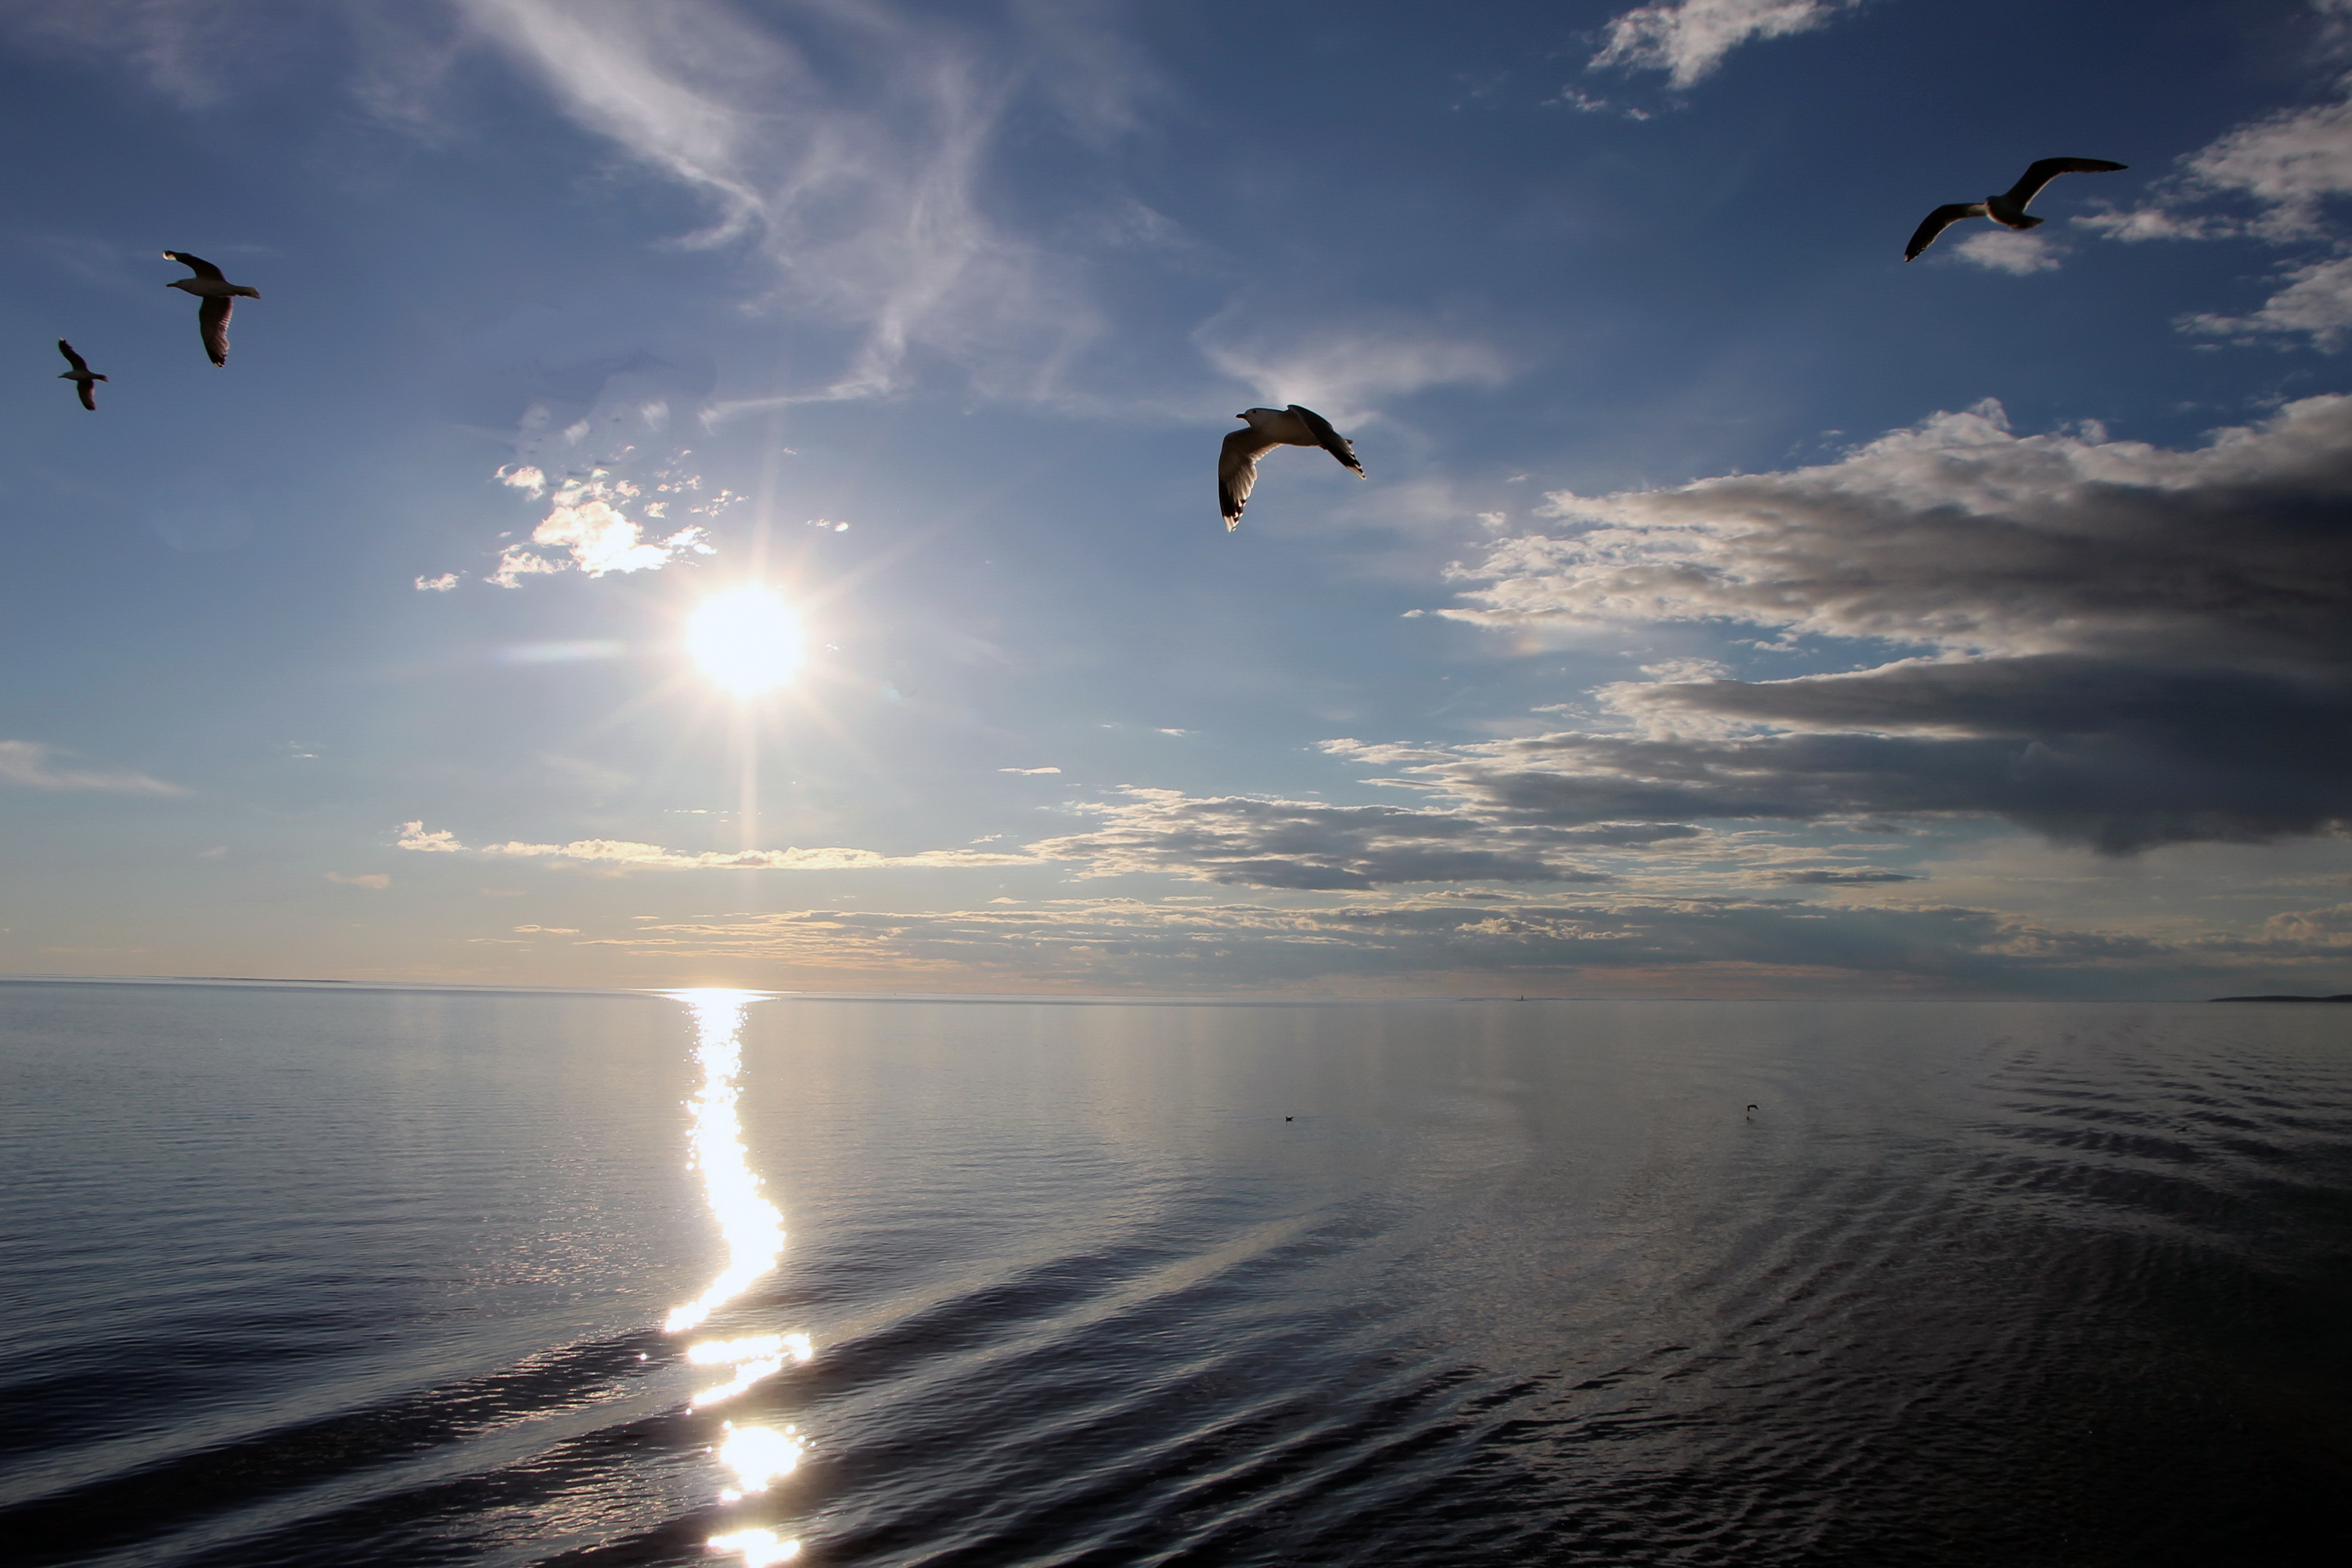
[753, 1232]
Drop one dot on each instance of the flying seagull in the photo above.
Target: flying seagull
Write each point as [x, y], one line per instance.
[2008, 208]
[1269, 428]
[217, 294]
[81, 375]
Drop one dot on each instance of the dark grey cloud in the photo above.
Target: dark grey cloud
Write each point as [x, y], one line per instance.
[2137, 647]
[1960, 536]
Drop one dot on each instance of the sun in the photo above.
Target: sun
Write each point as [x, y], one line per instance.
[745, 640]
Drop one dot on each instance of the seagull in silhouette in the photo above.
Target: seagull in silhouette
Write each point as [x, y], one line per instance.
[1269, 428]
[81, 375]
[218, 295]
[2008, 208]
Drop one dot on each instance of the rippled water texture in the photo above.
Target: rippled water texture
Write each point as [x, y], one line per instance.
[329, 1276]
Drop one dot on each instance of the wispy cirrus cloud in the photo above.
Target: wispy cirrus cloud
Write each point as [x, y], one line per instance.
[1340, 370]
[1687, 39]
[31, 764]
[2315, 305]
[848, 148]
[860, 183]
[416, 836]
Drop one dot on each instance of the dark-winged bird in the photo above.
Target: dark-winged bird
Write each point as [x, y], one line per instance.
[2008, 208]
[81, 375]
[1269, 428]
[218, 295]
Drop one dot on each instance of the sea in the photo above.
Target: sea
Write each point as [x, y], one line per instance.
[320, 1274]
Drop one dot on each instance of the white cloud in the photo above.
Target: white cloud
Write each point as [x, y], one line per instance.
[2274, 180]
[2005, 250]
[653, 857]
[1032, 770]
[441, 584]
[441, 841]
[375, 879]
[1688, 39]
[598, 538]
[30, 765]
[2289, 163]
[2316, 303]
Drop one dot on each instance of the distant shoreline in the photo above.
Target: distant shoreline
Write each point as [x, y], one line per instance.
[2347, 997]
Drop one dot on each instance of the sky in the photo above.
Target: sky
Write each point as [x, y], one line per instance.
[1729, 609]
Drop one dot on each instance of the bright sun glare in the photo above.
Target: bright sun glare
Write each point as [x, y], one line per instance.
[745, 640]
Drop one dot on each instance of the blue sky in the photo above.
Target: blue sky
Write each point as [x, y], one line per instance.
[1730, 609]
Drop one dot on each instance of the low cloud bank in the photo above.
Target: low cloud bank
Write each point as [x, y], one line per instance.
[414, 835]
[1611, 946]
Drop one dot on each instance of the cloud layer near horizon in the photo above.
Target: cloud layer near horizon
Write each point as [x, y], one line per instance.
[415, 837]
[1619, 945]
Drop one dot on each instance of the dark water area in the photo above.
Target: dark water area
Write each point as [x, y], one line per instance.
[337, 1276]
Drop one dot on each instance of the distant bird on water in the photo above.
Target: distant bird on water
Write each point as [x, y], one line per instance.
[218, 296]
[2008, 208]
[1269, 428]
[81, 375]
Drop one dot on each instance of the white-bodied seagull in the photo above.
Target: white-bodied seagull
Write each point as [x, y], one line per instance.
[2008, 208]
[218, 296]
[81, 375]
[1269, 428]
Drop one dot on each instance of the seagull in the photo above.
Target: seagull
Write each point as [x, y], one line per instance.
[81, 375]
[1269, 428]
[217, 294]
[2008, 208]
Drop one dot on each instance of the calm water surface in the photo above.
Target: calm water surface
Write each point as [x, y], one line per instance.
[332, 1276]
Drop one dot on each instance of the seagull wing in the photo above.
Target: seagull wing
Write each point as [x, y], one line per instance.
[88, 394]
[196, 264]
[1237, 472]
[80, 366]
[212, 319]
[1939, 220]
[2042, 171]
[1331, 440]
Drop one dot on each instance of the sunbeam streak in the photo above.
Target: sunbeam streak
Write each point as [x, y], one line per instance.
[753, 1232]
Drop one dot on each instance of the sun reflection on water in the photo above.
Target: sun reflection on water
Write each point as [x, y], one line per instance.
[753, 1232]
